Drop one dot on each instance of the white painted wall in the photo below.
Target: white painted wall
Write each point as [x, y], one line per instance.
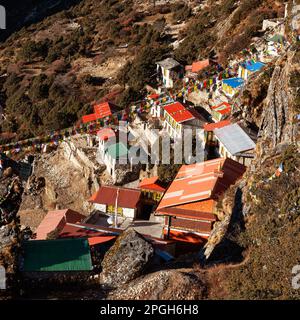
[129, 213]
[100, 207]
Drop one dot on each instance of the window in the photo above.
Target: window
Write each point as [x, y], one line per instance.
[111, 209]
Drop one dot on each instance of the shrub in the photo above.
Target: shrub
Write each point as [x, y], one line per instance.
[181, 12]
[31, 50]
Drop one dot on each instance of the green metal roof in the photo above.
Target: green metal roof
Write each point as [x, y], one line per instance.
[117, 150]
[57, 255]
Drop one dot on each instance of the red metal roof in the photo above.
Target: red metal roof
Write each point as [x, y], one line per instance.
[105, 134]
[103, 110]
[102, 239]
[89, 117]
[151, 184]
[178, 112]
[81, 231]
[201, 181]
[222, 108]
[189, 214]
[215, 125]
[56, 220]
[187, 236]
[128, 198]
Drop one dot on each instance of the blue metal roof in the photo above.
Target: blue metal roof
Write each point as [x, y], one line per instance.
[234, 82]
[254, 66]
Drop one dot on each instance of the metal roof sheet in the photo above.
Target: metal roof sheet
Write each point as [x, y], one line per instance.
[200, 65]
[234, 82]
[201, 181]
[56, 220]
[254, 66]
[89, 117]
[128, 198]
[151, 184]
[168, 63]
[117, 150]
[178, 112]
[234, 138]
[103, 110]
[214, 125]
[57, 255]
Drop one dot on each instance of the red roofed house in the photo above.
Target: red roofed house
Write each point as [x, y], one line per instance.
[101, 111]
[177, 118]
[220, 111]
[152, 189]
[127, 201]
[189, 204]
[55, 221]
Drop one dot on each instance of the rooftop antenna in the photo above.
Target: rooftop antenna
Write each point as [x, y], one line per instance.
[116, 209]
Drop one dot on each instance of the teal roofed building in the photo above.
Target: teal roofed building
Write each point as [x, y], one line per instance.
[120, 153]
[62, 255]
[114, 155]
[117, 150]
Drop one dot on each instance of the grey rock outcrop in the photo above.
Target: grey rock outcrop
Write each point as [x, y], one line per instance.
[163, 285]
[277, 118]
[126, 259]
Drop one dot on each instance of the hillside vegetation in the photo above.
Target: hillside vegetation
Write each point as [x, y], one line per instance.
[55, 69]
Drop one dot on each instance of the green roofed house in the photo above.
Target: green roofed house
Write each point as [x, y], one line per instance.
[117, 151]
[114, 154]
[62, 255]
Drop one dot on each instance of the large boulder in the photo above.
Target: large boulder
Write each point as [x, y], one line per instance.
[126, 259]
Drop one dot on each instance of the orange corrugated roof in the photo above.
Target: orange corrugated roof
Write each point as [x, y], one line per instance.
[189, 237]
[200, 65]
[56, 220]
[215, 125]
[199, 210]
[201, 181]
[204, 206]
[151, 184]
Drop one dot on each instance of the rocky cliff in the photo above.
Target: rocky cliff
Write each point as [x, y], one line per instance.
[263, 210]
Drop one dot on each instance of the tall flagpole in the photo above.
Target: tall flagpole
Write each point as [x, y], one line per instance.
[116, 209]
